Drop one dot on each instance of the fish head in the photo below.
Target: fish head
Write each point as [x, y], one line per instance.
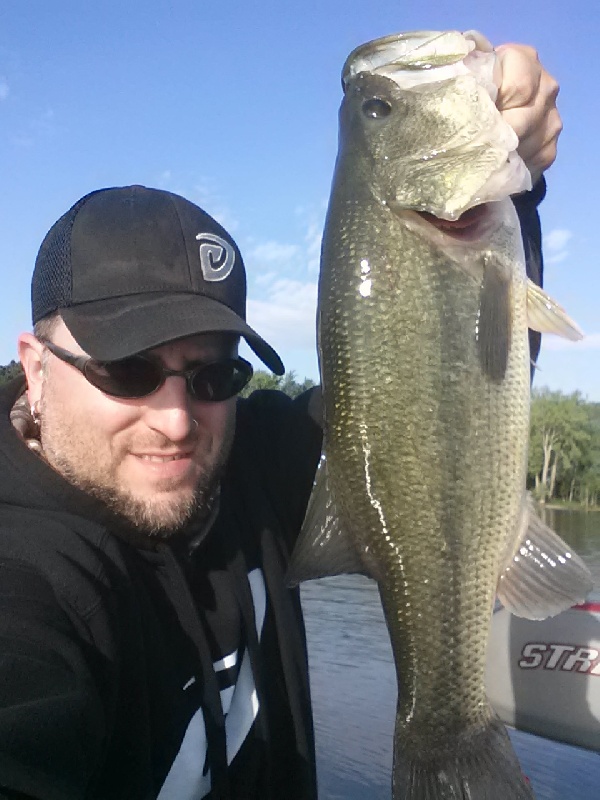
[425, 131]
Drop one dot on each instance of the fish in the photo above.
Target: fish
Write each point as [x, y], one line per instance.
[423, 313]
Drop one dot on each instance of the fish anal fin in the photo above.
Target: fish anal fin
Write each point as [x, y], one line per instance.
[542, 576]
[546, 316]
[322, 548]
[495, 319]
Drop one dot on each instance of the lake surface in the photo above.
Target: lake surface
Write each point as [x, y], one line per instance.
[354, 689]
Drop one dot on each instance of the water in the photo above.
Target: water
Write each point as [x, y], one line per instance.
[354, 689]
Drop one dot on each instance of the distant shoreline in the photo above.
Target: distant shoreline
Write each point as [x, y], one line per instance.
[570, 507]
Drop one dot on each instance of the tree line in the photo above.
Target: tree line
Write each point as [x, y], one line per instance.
[285, 383]
[10, 371]
[564, 448]
[564, 444]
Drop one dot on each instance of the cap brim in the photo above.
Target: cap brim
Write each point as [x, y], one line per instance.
[119, 327]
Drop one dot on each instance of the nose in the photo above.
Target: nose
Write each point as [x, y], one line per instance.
[169, 410]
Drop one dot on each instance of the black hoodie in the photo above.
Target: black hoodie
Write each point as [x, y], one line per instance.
[142, 673]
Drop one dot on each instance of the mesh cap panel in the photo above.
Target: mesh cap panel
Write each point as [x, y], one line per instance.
[51, 286]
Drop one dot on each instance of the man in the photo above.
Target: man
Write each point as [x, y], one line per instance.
[150, 648]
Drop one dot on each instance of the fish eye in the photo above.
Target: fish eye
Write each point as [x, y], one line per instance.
[376, 108]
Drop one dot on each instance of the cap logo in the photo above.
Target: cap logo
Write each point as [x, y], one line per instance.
[217, 257]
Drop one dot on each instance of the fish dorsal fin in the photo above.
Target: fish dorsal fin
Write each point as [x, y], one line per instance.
[546, 316]
[543, 576]
[322, 548]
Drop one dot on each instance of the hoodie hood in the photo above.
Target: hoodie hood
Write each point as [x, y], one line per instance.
[27, 480]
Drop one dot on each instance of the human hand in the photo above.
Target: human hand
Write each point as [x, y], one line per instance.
[527, 100]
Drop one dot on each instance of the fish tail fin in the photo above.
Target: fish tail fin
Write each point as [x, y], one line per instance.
[479, 765]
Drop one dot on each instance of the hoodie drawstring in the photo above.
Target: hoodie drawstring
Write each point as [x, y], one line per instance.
[211, 697]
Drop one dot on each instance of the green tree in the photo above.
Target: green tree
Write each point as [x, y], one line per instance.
[561, 443]
[291, 387]
[285, 383]
[589, 480]
[10, 371]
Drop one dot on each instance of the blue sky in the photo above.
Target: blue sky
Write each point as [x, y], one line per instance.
[234, 105]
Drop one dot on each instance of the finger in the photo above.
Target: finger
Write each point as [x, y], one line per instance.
[538, 122]
[481, 42]
[521, 75]
[527, 100]
[540, 117]
[538, 136]
[539, 150]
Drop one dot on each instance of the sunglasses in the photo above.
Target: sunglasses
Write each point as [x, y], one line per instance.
[139, 375]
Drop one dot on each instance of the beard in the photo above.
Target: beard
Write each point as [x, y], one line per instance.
[78, 451]
[155, 518]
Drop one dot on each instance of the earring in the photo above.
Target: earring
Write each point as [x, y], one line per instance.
[35, 413]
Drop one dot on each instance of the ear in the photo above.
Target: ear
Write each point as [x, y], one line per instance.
[30, 353]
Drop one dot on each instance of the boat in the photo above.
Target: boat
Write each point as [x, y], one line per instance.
[543, 677]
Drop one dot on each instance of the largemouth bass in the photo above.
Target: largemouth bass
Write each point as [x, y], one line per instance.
[424, 308]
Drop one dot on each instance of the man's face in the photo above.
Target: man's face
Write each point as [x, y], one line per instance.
[156, 460]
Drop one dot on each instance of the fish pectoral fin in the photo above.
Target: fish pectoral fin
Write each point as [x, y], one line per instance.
[543, 575]
[494, 332]
[322, 548]
[546, 316]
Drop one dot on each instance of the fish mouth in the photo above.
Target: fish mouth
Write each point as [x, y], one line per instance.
[471, 225]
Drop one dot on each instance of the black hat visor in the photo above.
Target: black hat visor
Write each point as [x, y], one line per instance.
[119, 327]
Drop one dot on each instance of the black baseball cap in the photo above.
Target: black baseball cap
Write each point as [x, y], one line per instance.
[130, 268]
